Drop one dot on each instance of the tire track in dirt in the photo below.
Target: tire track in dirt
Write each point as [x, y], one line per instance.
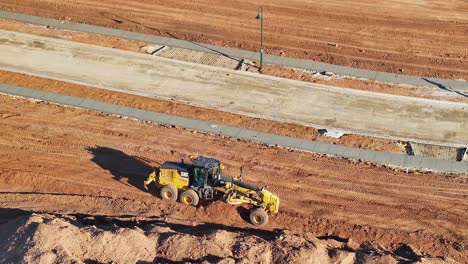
[23, 177]
[77, 203]
[355, 198]
[101, 156]
[378, 195]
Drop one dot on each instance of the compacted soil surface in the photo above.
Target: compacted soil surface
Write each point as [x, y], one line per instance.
[87, 169]
[424, 38]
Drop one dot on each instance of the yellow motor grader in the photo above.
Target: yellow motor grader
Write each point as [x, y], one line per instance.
[202, 179]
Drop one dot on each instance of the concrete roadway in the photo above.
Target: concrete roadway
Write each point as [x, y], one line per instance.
[238, 92]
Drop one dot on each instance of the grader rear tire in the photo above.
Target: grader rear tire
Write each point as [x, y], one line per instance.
[169, 192]
[259, 217]
[189, 197]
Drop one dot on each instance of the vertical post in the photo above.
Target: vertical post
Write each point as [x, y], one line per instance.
[260, 17]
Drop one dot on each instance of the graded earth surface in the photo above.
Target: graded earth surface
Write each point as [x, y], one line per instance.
[71, 180]
[70, 161]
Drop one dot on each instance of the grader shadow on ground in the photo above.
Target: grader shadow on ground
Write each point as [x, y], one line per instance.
[121, 165]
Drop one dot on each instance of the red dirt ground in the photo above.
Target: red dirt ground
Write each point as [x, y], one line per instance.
[63, 160]
[425, 38]
[73, 161]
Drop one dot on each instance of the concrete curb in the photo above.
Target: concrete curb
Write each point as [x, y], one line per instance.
[400, 160]
[384, 77]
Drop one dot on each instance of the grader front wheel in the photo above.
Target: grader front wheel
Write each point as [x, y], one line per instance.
[258, 217]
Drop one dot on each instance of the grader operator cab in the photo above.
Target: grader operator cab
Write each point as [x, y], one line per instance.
[202, 179]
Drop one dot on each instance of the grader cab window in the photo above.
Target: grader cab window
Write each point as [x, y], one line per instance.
[212, 175]
[199, 176]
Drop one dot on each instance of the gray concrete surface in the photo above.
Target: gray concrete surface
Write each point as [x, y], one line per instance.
[398, 160]
[245, 93]
[460, 85]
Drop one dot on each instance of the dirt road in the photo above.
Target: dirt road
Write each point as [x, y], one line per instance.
[245, 93]
[66, 160]
[283, 72]
[185, 110]
[426, 38]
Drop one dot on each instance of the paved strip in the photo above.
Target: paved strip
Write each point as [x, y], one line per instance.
[399, 160]
[237, 53]
[255, 95]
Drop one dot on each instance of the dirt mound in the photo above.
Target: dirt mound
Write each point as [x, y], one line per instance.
[44, 238]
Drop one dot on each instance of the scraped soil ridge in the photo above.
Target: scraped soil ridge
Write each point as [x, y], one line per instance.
[45, 238]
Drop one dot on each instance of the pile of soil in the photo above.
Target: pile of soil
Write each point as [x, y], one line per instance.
[45, 238]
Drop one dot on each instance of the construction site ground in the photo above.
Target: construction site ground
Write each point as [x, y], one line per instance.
[423, 38]
[172, 107]
[86, 163]
[278, 71]
[238, 92]
[71, 180]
